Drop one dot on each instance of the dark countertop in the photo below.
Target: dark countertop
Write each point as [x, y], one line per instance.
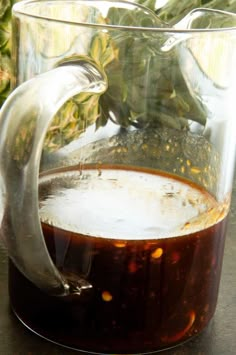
[218, 339]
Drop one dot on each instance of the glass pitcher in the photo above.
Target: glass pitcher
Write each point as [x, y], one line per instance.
[117, 152]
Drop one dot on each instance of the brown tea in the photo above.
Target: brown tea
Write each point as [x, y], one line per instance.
[150, 245]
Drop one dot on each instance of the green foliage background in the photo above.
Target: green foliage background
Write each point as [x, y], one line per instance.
[82, 111]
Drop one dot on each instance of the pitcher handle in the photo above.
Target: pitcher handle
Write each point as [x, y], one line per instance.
[33, 104]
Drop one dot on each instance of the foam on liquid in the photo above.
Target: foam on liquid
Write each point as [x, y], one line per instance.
[125, 204]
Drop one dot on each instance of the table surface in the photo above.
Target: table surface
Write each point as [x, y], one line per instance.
[218, 339]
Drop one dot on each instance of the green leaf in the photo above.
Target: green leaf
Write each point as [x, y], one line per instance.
[5, 5]
[5, 74]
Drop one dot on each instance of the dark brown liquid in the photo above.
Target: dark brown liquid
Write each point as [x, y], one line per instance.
[154, 264]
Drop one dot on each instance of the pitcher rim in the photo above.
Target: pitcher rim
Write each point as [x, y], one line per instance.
[20, 8]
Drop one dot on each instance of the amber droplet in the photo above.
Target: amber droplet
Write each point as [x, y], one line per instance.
[132, 267]
[175, 257]
[120, 244]
[106, 296]
[157, 253]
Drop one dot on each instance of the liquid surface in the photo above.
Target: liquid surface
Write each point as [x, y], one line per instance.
[125, 204]
[151, 247]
